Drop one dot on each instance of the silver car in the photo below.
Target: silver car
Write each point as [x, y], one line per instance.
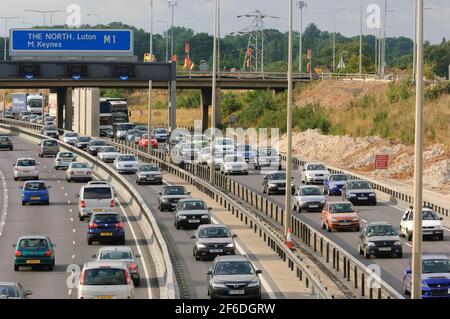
[70, 138]
[105, 280]
[107, 153]
[309, 198]
[234, 164]
[78, 171]
[149, 173]
[124, 254]
[26, 168]
[95, 197]
[13, 290]
[63, 160]
[127, 163]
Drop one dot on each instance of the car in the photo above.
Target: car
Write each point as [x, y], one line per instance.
[199, 140]
[35, 192]
[379, 239]
[149, 174]
[95, 197]
[106, 227]
[234, 164]
[431, 224]
[144, 140]
[204, 155]
[141, 128]
[340, 216]
[435, 277]
[94, 146]
[9, 114]
[107, 132]
[83, 142]
[226, 145]
[49, 147]
[359, 192]
[333, 184]
[79, 171]
[191, 212]
[218, 160]
[314, 173]
[246, 151]
[187, 152]
[34, 251]
[70, 138]
[169, 197]
[212, 240]
[137, 136]
[233, 277]
[13, 290]
[275, 183]
[107, 153]
[123, 254]
[308, 198]
[6, 143]
[161, 134]
[267, 157]
[63, 160]
[26, 168]
[105, 280]
[130, 135]
[126, 163]
[50, 131]
[24, 116]
[121, 129]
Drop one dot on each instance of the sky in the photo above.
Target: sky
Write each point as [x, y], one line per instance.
[198, 15]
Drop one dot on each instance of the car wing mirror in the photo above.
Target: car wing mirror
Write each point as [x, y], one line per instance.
[209, 273]
[77, 195]
[137, 256]
[49, 186]
[94, 256]
[409, 271]
[193, 237]
[441, 218]
[258, 272]
[234, 236]
[210, 208]
[124, 219]
[21, 187]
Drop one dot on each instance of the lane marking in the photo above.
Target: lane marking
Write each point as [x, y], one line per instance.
[364, 221]
[408, 244]
[147, 277]
[5, 202]
[70, 292]
[73, 230]
[74, 242]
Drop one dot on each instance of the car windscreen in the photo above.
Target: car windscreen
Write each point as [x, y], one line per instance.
[267, 152]
[114, 254]
[26, 163]
[97, 193]
[244, 148]
[84, 139]
[50, 143]
[359, 185]
[71, 135]
[34, 186]
[214, 232]
[174, 191]
[124, 127]
[277, 176]
[338, 178]
[32, 243]
[436, 266]
[316, 167]
[126, 158]
[98, 143]
[66, 155]
[109, 149]
[235, 159]
[9, 291]
[233, 268]
[80, 165]
[380, 230]
[341, 208]
[148, 168]
[426, 215]
[51, 128]
[104, 277]
[160, 131]
[310, 191]
[193, 205]
[106, 219]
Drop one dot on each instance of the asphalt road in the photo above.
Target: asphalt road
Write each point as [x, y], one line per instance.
[392, 269]
[60, 222]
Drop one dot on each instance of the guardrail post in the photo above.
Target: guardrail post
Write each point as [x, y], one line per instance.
[363, 285]
[337, 260]
[315, 242]
[328, 253]
[355, 273]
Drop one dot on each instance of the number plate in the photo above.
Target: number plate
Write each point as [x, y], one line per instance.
[150, 178]
[314, 206]
[282, 188]
[97, 210]
[33, 261]
[344, 224]
[362, 198]
[216, 251]
[105, 297]
[237, 292]
[194, 221]
[35, 198]
[384, 249]
[106, 234]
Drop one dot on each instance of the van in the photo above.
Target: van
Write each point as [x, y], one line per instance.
[95, 197]
[105, 280]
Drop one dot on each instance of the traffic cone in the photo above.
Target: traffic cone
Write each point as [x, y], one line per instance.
[289, 241]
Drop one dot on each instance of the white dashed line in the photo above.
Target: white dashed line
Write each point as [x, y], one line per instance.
[65, 194]
[407, 244]
[73, 257]
[70, 292]
[364, 221]
[71, 219]
[446, 229]
[74, 230]
[5, 202]
[74, 242]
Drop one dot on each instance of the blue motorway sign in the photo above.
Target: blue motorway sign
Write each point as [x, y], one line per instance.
[71, 42]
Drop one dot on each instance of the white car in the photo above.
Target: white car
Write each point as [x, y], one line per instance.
[314, 173]
[78, 171]
[204, 154]
[267, 157]
[234, 164]
[127, 163]
[308, 198]
[95, 197]
[26, 168]
[70, 138]
[226, 145]
[107, 153]
[218, 160]
[105, 280]
[431, 224]
[63, 160]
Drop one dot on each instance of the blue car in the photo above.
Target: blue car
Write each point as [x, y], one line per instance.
[334, 183]
[435, 277]
[104, 227]
[35, 192]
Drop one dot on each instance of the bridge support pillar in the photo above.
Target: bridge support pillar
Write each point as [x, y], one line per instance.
[172, 106]
[86, 111]
[68, 109]
[206, 101]
[60, 106]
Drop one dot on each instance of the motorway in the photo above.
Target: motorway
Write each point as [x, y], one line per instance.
[60, 222]
[392, 269]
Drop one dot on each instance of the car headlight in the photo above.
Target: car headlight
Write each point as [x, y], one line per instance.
[333, 220]
[322, 201]
[398, 243]
[272, 185]
[355, 219]
[438, 227]
[424, 283]
[230, 245]
[351, 195]
[371, 244]
[182, 217]
[164, 200]
[372, 194]
[205, 216]
[201, 246]
[218, 285]
[254, 283]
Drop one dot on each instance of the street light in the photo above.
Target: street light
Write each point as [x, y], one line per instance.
[98, 15]
[167, 37]
[151, 27]
[213, 96]
[51, 16]
[301, 5]
[172, 5]
[43, 12]
[334, 36]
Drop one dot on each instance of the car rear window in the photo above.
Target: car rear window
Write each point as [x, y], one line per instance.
[97, 193]
[26, 163]
[50, 143]
[9, 291]
[31, 243]
[106, 219]
[4, 139]
[80, 165]
[115, 255]
[34, 186]
[104, 277]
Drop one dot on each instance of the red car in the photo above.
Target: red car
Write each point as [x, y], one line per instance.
[143, 141]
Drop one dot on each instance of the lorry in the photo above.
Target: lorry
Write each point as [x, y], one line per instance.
[35, 103]
[23, 102]
[112, 111]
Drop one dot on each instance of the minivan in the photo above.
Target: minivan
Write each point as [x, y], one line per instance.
[95, 197]
[49, 147]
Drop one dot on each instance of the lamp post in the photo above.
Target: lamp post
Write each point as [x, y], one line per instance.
[172, 5]
[167, 37]
[213, 96]
[151, 27]
[301, 5]
[334, 36]
[44, 13]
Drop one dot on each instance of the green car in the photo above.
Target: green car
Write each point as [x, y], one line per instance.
[34, 251]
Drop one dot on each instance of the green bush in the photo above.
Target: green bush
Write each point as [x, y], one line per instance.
[189, 99]
[113, 93]
[230, 103]
[398, 92]
[436, 91]
[311, 116]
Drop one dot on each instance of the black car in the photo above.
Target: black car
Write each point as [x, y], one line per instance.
[233, 277]
[212, 240]
[275, 183]
[359, 192]
[169, 197]
[380, 239]
[83, 142]
[191, 213]
[6, 143]
[94, 146]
